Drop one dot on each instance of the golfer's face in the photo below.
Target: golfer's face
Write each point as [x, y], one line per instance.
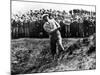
[45, 18]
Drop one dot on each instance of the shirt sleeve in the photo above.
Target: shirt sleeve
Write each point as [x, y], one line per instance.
[46, 27]
[57, 24]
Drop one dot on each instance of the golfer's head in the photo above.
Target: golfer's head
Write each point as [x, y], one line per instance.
[45, 17]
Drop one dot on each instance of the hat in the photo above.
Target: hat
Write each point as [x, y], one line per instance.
[44, 15]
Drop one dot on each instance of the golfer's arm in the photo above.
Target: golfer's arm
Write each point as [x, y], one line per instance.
[57, 24]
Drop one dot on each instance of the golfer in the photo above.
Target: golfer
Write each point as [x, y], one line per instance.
[52, 28]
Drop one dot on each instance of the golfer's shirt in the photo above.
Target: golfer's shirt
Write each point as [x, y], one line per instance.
[51, 26]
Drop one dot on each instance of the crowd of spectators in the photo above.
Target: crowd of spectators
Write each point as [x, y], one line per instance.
[30, 24]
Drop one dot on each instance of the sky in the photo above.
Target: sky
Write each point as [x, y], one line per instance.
[21, 6]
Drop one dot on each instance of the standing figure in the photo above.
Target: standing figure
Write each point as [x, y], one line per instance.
[52, 28]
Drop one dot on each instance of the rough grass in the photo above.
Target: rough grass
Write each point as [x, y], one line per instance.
[33, 55]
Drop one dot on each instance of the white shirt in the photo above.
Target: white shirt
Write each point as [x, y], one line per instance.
[51, 25]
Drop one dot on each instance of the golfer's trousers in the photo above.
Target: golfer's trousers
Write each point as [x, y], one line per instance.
[56, 42]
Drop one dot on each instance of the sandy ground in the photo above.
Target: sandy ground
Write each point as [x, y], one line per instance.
[33, 55]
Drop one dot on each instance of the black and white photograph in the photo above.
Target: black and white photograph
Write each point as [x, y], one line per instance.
[52, 37]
